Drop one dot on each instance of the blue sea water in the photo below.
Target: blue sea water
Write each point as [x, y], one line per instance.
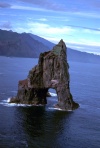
[44, 127]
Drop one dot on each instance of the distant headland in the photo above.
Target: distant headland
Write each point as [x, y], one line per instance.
[27, 45]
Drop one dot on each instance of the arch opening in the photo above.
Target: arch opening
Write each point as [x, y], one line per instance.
[52, 98]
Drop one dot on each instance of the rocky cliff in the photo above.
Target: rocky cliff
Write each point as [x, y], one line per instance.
[51, 72]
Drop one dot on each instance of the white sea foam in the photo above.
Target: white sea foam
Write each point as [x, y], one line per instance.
[5, 103]
[8, 100]
[8, 104]
[53, 94]
[54, 108]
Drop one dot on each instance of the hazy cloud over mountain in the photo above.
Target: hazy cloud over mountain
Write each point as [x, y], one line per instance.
[4, 5]
[6, 25]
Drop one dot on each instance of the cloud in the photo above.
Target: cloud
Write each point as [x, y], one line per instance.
[47, 4]
[87, 14]
[46, 31]
[42, 28]
[87, 46]
[42, 19]
[25, 8]
[64, 5]
[6, 25]
[85, 43]
[86, 29]
[96, 3]
[4, 5]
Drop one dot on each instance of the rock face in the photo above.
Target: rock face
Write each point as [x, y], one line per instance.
[51, 72]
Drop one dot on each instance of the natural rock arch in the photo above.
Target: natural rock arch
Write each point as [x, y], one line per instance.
[51, 72]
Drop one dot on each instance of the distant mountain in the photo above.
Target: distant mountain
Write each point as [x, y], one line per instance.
[78, 56]
[13, 44]
[42, 40]
[20, 45]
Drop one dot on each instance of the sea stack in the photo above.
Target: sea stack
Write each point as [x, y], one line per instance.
[51, 72]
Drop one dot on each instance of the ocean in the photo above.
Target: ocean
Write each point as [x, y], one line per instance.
[24, 126]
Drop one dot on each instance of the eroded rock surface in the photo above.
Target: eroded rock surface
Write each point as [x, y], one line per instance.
[51, 72]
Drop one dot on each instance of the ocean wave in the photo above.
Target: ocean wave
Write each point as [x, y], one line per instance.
[14, 91]
[2, 93]
[98, 108]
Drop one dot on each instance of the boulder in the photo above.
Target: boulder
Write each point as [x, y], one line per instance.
[51, 72]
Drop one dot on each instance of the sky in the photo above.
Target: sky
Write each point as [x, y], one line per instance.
[77, 22]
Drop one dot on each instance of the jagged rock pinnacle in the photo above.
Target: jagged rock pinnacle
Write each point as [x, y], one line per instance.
[51, 72]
